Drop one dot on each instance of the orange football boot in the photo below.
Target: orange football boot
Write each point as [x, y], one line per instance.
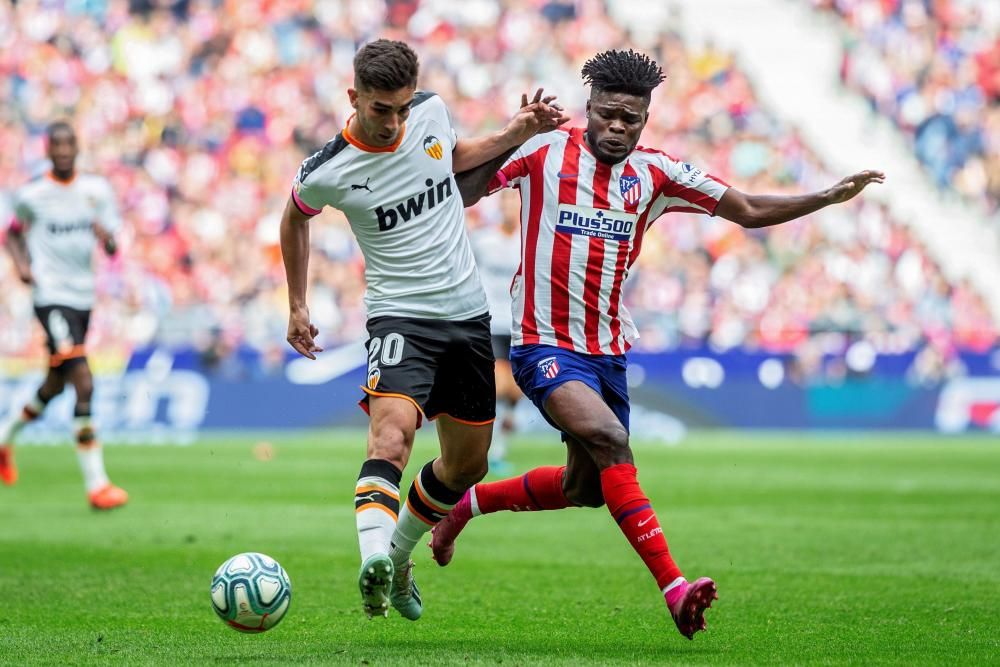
[8, 471]
[108, 497]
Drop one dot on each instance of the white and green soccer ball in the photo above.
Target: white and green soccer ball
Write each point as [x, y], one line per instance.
[251, 592]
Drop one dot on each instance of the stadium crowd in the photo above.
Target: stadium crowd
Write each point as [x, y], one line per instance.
[200, 112]
[933, 67]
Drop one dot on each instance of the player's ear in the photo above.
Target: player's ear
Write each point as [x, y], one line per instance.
[588, 108]
[352, 95]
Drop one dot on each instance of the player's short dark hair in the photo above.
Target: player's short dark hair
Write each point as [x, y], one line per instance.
[385, 65]
[618, 71]
[57, 126]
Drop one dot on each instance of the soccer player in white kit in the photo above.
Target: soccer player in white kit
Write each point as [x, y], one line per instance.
[391, 171]
[589, 194]
[59, 218]
[497, 250]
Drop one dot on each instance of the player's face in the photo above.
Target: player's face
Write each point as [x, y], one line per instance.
[62, 151]
[614, 123]
[381, 113]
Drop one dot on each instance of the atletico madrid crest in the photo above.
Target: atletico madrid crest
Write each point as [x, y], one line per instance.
[433, 147]
[549, 367]
[631, 188]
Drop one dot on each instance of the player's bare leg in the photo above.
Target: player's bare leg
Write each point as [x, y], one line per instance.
[52, 386]
[549, 488]
[376, 496]
[102, 494]
[582, 413]
[440, 484]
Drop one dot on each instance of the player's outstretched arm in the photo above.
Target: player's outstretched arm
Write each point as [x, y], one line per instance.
[753, 211]
[540, 115]
[18, 251]
[295, 255]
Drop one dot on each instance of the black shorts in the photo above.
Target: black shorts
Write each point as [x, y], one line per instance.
[501, 346]
[444, 366]
[65, 331]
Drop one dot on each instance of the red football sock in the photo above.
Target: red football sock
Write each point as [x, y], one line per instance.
[538, 489]
[635, 516]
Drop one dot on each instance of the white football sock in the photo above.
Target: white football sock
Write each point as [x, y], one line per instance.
[90, 457]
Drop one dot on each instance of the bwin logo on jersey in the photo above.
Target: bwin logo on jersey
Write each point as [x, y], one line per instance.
[433, 147]
[414, 206]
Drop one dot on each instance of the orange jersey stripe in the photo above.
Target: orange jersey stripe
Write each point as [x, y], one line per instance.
[354, 141]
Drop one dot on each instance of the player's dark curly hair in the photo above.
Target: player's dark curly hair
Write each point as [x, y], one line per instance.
[385, 65]
[57, 126]
[623, 72]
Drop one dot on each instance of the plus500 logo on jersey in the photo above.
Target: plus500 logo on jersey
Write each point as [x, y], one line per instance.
[598, 223]
[414, 206]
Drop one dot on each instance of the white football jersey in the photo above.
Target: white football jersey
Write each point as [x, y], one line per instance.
[497, 255]
[406, 212]
[58, 221]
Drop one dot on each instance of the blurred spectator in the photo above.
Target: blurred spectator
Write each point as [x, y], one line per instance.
[199, 112]
[933, 67]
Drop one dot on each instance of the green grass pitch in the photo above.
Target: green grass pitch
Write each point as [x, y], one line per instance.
[826, 548]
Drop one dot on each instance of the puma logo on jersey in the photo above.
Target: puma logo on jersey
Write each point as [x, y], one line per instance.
[388, 218]
[363, 186]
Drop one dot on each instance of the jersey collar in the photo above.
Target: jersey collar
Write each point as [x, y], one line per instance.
[52, 177]
[354, 141]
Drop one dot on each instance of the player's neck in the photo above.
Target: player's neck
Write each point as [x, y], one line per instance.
[64, 177]
[357, 131]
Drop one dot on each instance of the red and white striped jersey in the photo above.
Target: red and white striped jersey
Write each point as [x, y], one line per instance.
[582, 223]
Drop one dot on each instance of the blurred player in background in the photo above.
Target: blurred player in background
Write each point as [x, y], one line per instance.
[391, 171]
[497, 250]
[58, 219]
[588, 195]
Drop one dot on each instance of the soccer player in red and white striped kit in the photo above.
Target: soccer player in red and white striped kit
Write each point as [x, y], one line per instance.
[588, 196]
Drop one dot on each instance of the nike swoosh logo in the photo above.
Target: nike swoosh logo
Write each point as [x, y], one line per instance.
[645, 521]
[562, 175]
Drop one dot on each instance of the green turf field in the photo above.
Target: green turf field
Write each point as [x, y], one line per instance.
[826, 549]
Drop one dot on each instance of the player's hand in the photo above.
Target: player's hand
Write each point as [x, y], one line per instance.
[535, 117]
[851, 186]
[106, 239]
[302, 333]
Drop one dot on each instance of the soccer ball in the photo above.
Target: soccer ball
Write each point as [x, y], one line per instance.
[251, 592]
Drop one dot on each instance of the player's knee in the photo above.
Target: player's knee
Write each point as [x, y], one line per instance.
[609, 439]
[584, 496]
